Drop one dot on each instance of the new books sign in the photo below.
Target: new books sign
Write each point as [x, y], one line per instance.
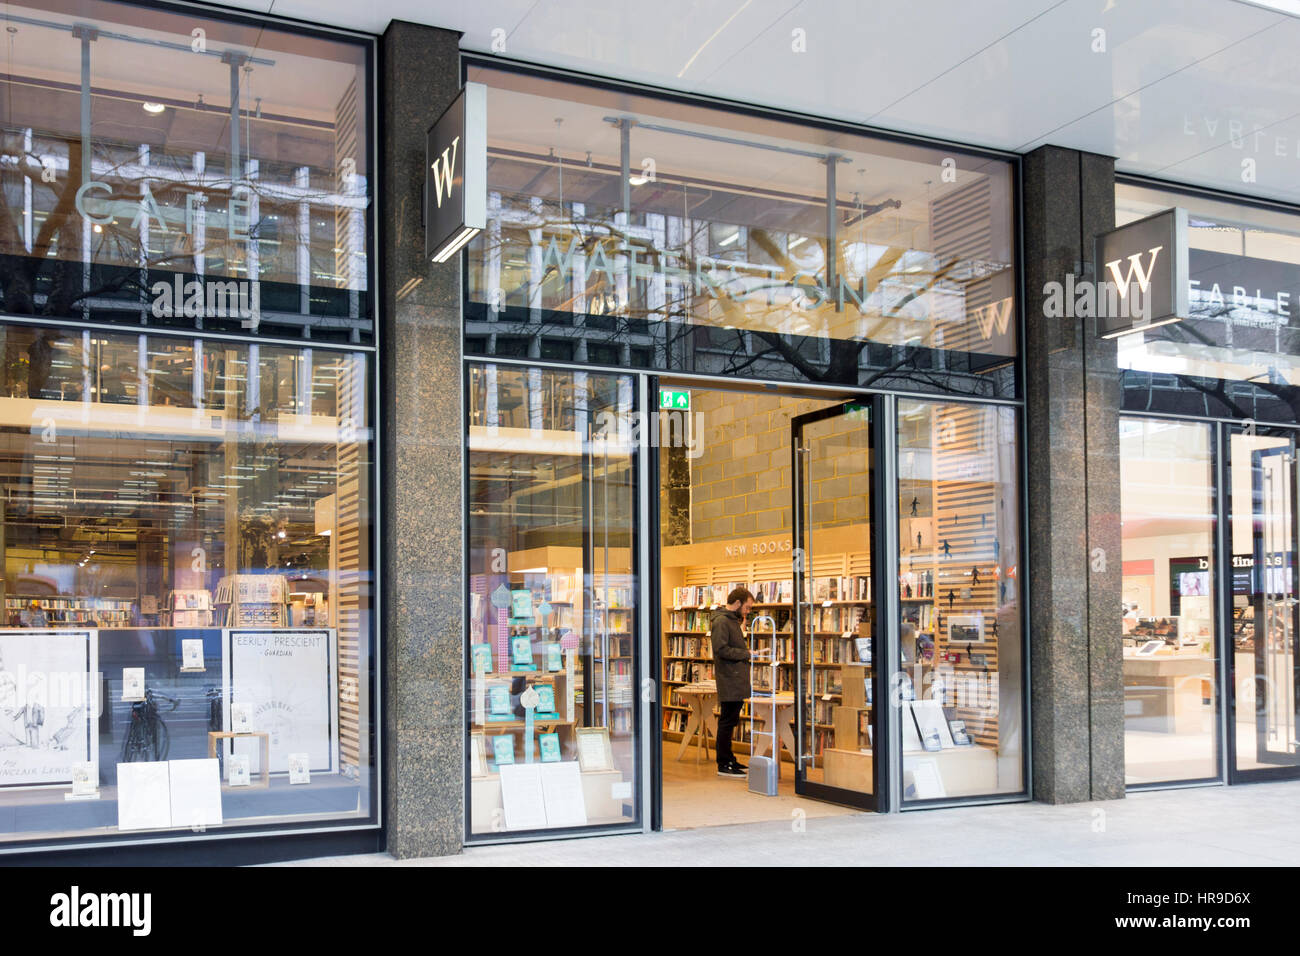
[455, 175]
[1147, 260]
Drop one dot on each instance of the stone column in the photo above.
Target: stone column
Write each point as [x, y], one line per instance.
[1072, 415]
[422, 637]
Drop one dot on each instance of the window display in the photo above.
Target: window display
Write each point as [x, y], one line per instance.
[161, 549]
[550, 648]
[959, 600]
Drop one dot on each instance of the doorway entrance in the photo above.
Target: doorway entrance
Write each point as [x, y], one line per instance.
[770, 492]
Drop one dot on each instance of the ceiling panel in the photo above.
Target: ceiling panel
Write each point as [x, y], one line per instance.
[1008, 74]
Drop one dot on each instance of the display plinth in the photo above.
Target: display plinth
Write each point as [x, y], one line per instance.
[964, 770]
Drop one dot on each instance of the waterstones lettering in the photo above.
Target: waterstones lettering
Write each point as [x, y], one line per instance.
[75, 909]
[743, 282]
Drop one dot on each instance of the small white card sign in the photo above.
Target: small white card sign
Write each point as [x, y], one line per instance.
[195, 793]
[562, 794]
[241, 718]
[237, 770]
[133, 683]
[85, 782]
[143, 796]
[521, 795]
[192, 655]
[299, 768]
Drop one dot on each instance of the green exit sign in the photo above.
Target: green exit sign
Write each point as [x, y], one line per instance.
[672, 398]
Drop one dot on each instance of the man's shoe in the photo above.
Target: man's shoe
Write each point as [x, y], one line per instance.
[731, 770]
[739, 766]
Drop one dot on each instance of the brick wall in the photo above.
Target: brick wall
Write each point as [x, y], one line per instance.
[741, 482]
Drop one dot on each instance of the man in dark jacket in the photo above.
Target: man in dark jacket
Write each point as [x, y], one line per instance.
[731, 656]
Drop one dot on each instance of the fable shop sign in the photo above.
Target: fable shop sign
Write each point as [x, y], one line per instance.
[1149, 258]
[455, 175]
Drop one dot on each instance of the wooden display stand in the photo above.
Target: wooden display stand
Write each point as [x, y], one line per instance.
[964, 770]
[847, 718]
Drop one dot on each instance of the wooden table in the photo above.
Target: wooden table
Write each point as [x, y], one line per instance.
[263, 738]
[781, 710]
[702, 721]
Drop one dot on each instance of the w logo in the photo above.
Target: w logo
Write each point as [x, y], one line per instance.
[994, 315]
[444, 171]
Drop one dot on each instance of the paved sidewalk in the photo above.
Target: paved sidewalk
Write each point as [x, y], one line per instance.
[1254, 825]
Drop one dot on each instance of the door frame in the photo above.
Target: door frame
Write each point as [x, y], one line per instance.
[1263, 774]
[883, 570]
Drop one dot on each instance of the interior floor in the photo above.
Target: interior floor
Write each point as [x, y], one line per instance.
[695, 796]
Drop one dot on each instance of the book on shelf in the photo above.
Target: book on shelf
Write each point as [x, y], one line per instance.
[545, 700]
[503, 749]
[549, 746]
[499, 702]
[482, 654]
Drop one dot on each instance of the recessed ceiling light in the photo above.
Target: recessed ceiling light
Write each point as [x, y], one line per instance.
[150, 107]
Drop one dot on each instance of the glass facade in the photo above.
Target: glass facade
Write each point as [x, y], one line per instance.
[1170, 629]
[637, 232]
[960, 689]
[188, 584]
[553, 597]
[166, 169]
[187, 530]
[1237, 355]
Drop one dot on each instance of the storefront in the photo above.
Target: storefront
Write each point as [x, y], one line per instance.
[707, 350]
[698, 346]
[188, 431]
[1208, 460]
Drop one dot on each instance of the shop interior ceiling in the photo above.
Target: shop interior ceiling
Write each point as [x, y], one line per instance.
[297, 85]
[1155, 83]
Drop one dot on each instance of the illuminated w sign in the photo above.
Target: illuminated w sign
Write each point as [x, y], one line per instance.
[455, 175]
[444, 171]
[994, 315]
[1134, 268]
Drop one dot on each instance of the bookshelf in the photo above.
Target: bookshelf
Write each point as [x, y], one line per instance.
[693, 585]
[104, 612]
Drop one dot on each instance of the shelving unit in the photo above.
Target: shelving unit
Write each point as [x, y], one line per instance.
[104, 612]
[841, 589]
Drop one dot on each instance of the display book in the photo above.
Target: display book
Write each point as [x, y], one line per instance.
[187, 607]
[842, 605]
[252, 600]
[499, 688]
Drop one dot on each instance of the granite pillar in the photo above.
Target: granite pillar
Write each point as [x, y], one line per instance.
[1072, 457]
[423, 634]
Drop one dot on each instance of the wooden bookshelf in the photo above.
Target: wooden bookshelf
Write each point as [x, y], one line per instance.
[839, 555]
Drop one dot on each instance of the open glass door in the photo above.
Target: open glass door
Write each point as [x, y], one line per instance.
[1264, 605]
[834, 614]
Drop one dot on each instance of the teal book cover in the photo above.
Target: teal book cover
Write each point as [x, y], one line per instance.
[499, 702]
[545, 699]
[522, 653]
[503, 749]
[483, 657]
[550, 746]
[554, 658]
